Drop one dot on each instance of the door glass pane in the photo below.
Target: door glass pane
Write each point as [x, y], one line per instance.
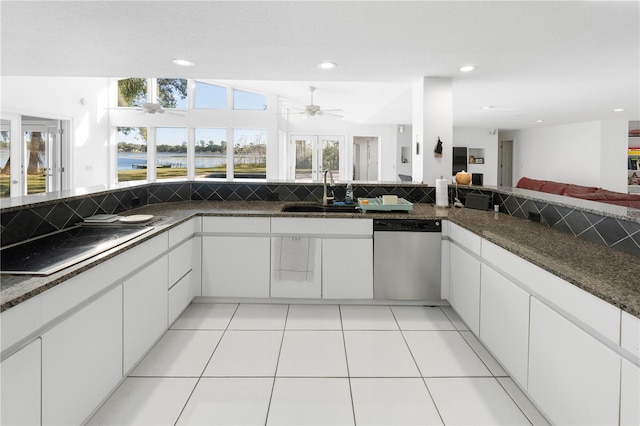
[250, 153]
[132, 153]
[171, 152]
[5, 156]
[304, 159]
[36, 142]
[211, 153]
[331, 156]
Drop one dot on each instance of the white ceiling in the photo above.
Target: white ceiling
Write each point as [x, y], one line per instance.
[558, 61]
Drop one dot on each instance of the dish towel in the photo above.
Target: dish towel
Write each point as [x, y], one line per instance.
[294, 258]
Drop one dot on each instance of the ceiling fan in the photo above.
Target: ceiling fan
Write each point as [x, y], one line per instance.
[313, 110]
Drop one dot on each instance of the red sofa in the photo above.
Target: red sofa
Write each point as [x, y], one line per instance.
[584, 192]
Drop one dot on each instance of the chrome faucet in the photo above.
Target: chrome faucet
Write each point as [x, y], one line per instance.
[325, 198]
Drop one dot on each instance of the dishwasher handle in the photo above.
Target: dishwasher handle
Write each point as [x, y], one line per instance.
[406, 225]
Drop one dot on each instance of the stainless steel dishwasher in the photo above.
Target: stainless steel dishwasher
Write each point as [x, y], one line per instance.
[406, 259]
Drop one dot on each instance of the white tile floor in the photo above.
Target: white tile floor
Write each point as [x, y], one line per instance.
[262, 364]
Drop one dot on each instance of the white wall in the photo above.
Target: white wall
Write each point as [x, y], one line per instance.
[479, 138]
[59, 98]
[590, 153]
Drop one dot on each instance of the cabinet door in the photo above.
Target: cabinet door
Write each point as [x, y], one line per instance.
[630, 394]
[82, 360]
[20, 381]
[145, 310]
[504, 322]
[235, 266]
[296, 267]
[347, 269]
[573, 378]
[464, 291]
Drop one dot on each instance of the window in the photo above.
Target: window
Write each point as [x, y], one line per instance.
[132, 92]
[211, 153]
[172, 92]
[132, 153]
[171, 152]
[209, 96]
[247, 100]
[250, 153]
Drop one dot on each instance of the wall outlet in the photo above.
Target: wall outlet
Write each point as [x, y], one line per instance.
[534, 216]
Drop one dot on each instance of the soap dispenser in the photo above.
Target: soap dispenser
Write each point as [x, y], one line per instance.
[348, 198]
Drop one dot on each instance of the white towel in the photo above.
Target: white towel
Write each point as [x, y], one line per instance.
[294, 258]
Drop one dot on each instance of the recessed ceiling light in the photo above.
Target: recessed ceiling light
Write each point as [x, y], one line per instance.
[538, 121]
[183, 62]
[326, 65]
[487, 107]
[618, 110]
[467, 68]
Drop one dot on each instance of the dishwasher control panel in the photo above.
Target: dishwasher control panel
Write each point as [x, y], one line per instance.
[406, 225]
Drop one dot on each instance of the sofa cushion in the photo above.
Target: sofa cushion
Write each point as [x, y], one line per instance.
[532, 184]
[579, 189]
[554, 188]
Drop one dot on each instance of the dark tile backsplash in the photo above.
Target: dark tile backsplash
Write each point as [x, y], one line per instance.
[18, 224]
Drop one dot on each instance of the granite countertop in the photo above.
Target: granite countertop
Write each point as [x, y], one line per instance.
[602, 271]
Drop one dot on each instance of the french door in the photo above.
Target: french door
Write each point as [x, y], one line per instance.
[311, 155]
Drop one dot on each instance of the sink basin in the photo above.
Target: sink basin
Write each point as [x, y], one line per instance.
[318, 208]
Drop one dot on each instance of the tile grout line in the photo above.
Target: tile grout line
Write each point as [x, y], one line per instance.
[205, 366]
[416, 363]
[275, 373]
[346, 359]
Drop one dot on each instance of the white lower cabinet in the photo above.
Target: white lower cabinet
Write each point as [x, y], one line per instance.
[504, 322]
[20, 378]
[82, 360]
[180, 295]
[464, 290]
[347, 268]
[573, 378]
[630, 394]
[145, 310]
[235, 266]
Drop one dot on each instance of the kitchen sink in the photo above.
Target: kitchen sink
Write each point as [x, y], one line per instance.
[319, 208]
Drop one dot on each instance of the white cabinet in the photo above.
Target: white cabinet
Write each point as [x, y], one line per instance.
[464, 290]
[82, 360]
[145, 310]
[343, 257]
[235, 256]
[630, 394]
[296, 267]
[20, 381]
[235, 266]
[180, 295]
[504, 322]
[573, 378]
[347, 268]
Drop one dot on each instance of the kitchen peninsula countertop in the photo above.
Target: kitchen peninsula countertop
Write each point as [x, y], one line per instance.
[607, 273]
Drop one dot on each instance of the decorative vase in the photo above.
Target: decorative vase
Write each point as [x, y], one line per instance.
[463, 178]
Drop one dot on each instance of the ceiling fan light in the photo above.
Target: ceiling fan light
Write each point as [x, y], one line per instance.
[327, 65]
[183, 62]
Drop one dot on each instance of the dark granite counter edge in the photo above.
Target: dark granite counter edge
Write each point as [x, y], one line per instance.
[625, 296]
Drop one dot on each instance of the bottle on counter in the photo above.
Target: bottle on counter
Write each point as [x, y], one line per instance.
[348, 198]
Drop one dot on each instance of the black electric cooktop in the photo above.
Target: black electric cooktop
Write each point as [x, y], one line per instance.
[54, 252]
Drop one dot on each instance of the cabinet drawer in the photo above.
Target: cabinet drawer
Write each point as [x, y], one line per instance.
[180, 295]
[180, 261]
[236, 225]
[183, 231]
[464, 238]
[318, 226]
